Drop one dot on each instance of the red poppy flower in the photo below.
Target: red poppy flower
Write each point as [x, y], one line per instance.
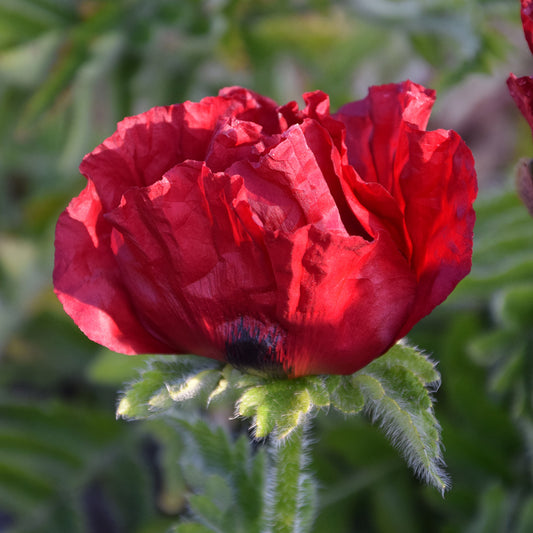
[284, 240]
[526, 14]
[521, 89]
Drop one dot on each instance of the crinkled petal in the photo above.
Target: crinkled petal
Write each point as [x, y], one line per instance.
[88, 282]
[145, 146]
[439, 184]
[237, 140]
[317, 107]
[376, 209]
[254, 108]
[375, 124]
[188, 261]
[341, 299]
[287, 188]
[330, 159]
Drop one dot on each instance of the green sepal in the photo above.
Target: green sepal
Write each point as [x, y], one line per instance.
[279, 406]
[394, 390]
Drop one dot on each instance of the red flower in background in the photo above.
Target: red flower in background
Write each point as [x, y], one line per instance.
[290, 241]
[521, 89]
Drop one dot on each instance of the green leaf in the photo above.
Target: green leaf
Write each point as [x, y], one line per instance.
[514, 306]
[52, 456]
[401, 354]
[226, 478]
[207, 506]
[194, 385]
[167, 380]
[396, 397]
[503, 247]
[145, 397]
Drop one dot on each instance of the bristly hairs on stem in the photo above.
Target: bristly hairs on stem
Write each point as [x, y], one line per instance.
[290, 477]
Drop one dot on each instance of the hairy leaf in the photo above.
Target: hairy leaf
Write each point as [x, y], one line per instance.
[398, 400]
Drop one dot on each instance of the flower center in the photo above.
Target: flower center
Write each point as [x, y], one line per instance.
[255, 349]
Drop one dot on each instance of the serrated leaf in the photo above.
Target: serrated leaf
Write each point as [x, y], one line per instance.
[217, 490]
[502, 248]
[396, 399]
[393, 389]
[407, 356]
[214, 507]
[226, 478]
[144, 397]
[167, 380]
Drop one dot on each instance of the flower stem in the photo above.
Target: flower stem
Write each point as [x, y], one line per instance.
[292, 489]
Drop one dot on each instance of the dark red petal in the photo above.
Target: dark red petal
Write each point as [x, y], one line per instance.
[87, 280]
[521, 90]
[188, 261]
[526, 14]
[439, 185]
[341, 299]
[287, 188]
[374, 125]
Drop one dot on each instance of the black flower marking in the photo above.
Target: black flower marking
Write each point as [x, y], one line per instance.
[255, 350]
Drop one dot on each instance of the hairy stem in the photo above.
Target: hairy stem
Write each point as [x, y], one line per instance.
[292, 490]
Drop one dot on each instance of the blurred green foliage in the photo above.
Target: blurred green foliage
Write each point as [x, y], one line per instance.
[69, 70]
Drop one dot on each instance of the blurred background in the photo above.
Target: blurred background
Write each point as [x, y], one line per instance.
[69, 70]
